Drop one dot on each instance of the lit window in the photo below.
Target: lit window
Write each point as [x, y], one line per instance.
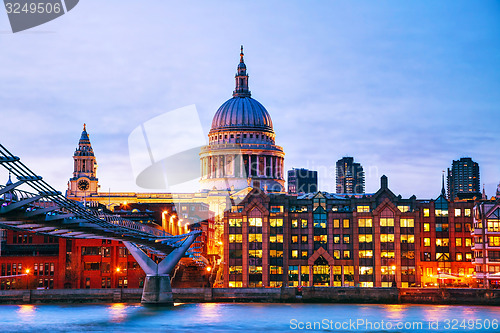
[458, 241]
[347, 239]
[366, 238]
[235, 269]
[336, 239]
[336, 254]
[303, 222]
[388, 270]
[347, 254]
[427, 227]
[468, 242]
[387, 222]
[336, 223]
[276, 209]
[426, 212]
[276, 254]
[468, 256]
[467, 212]
[255, 238]
[459, 256]
[276, 238]
[295, 253]
[427, 241]
[235, 238]
[442, 241]
[407, 223]
[387, 238]
[365, 223]
[441, 212]
[458, 212]
[255, 222]
[407, 239]
[255, 254]
[365, 270]
[235, 222]
[404, 209]
[276, 270]
[295, 239]
[366, 254]
[387, 254]
[363, 209]
[322, 239]
[303, 254]
[304, 239]
[346, 224]
[276, 222]
[295, 223]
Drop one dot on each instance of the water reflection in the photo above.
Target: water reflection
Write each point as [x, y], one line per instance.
[229, 317]
[26, 312]
[118, 312]
[395, 311]
[209, 311]
[436, 312]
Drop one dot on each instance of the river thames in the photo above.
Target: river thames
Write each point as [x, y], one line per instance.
[232, 317]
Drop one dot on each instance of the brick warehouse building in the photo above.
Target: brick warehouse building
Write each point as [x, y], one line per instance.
[325, 239]
[57, 263]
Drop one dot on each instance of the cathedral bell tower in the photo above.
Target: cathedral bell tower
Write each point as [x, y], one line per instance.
[84, 182]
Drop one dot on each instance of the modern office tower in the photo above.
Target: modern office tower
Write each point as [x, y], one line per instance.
[463, 179]
[302, 181]
[350, 176]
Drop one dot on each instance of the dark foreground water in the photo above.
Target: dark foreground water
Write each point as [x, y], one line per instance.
[232, 317]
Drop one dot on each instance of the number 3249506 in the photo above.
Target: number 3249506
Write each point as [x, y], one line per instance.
[470, 324]
[33, 8]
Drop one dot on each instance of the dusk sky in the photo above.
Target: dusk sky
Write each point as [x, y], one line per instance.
[403, 87]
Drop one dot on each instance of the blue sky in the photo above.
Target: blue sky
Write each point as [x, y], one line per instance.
[404, 87]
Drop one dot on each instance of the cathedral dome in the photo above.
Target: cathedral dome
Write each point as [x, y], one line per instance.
[242, 113]
[241, 150]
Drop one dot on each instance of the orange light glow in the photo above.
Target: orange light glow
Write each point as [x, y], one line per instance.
[209, 268]
[27, 271]
[118, 269]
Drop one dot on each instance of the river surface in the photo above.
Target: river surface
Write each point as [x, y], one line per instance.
[248, 317]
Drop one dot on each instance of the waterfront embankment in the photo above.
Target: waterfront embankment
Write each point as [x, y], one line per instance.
[266, 295]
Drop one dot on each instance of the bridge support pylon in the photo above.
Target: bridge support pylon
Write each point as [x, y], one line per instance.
[157, 288]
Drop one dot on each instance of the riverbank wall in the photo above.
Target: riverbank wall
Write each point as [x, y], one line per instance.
[264, 295]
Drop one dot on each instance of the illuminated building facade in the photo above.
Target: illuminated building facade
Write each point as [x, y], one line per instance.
[322, 239]
[446, 242]
[350, 176]
[486, 233]
[463, 179]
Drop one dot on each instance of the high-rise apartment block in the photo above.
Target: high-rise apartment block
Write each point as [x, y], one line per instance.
[302, 181]
[463, 179]
[350, 176]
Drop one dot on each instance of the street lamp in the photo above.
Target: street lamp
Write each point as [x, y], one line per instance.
[27, 272]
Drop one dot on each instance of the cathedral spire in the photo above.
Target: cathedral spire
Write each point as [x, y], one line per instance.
[241, 89]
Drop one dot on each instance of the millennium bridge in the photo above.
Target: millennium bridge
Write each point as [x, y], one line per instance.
[44, 210]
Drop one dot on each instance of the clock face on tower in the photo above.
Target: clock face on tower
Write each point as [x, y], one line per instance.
[83, 185]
